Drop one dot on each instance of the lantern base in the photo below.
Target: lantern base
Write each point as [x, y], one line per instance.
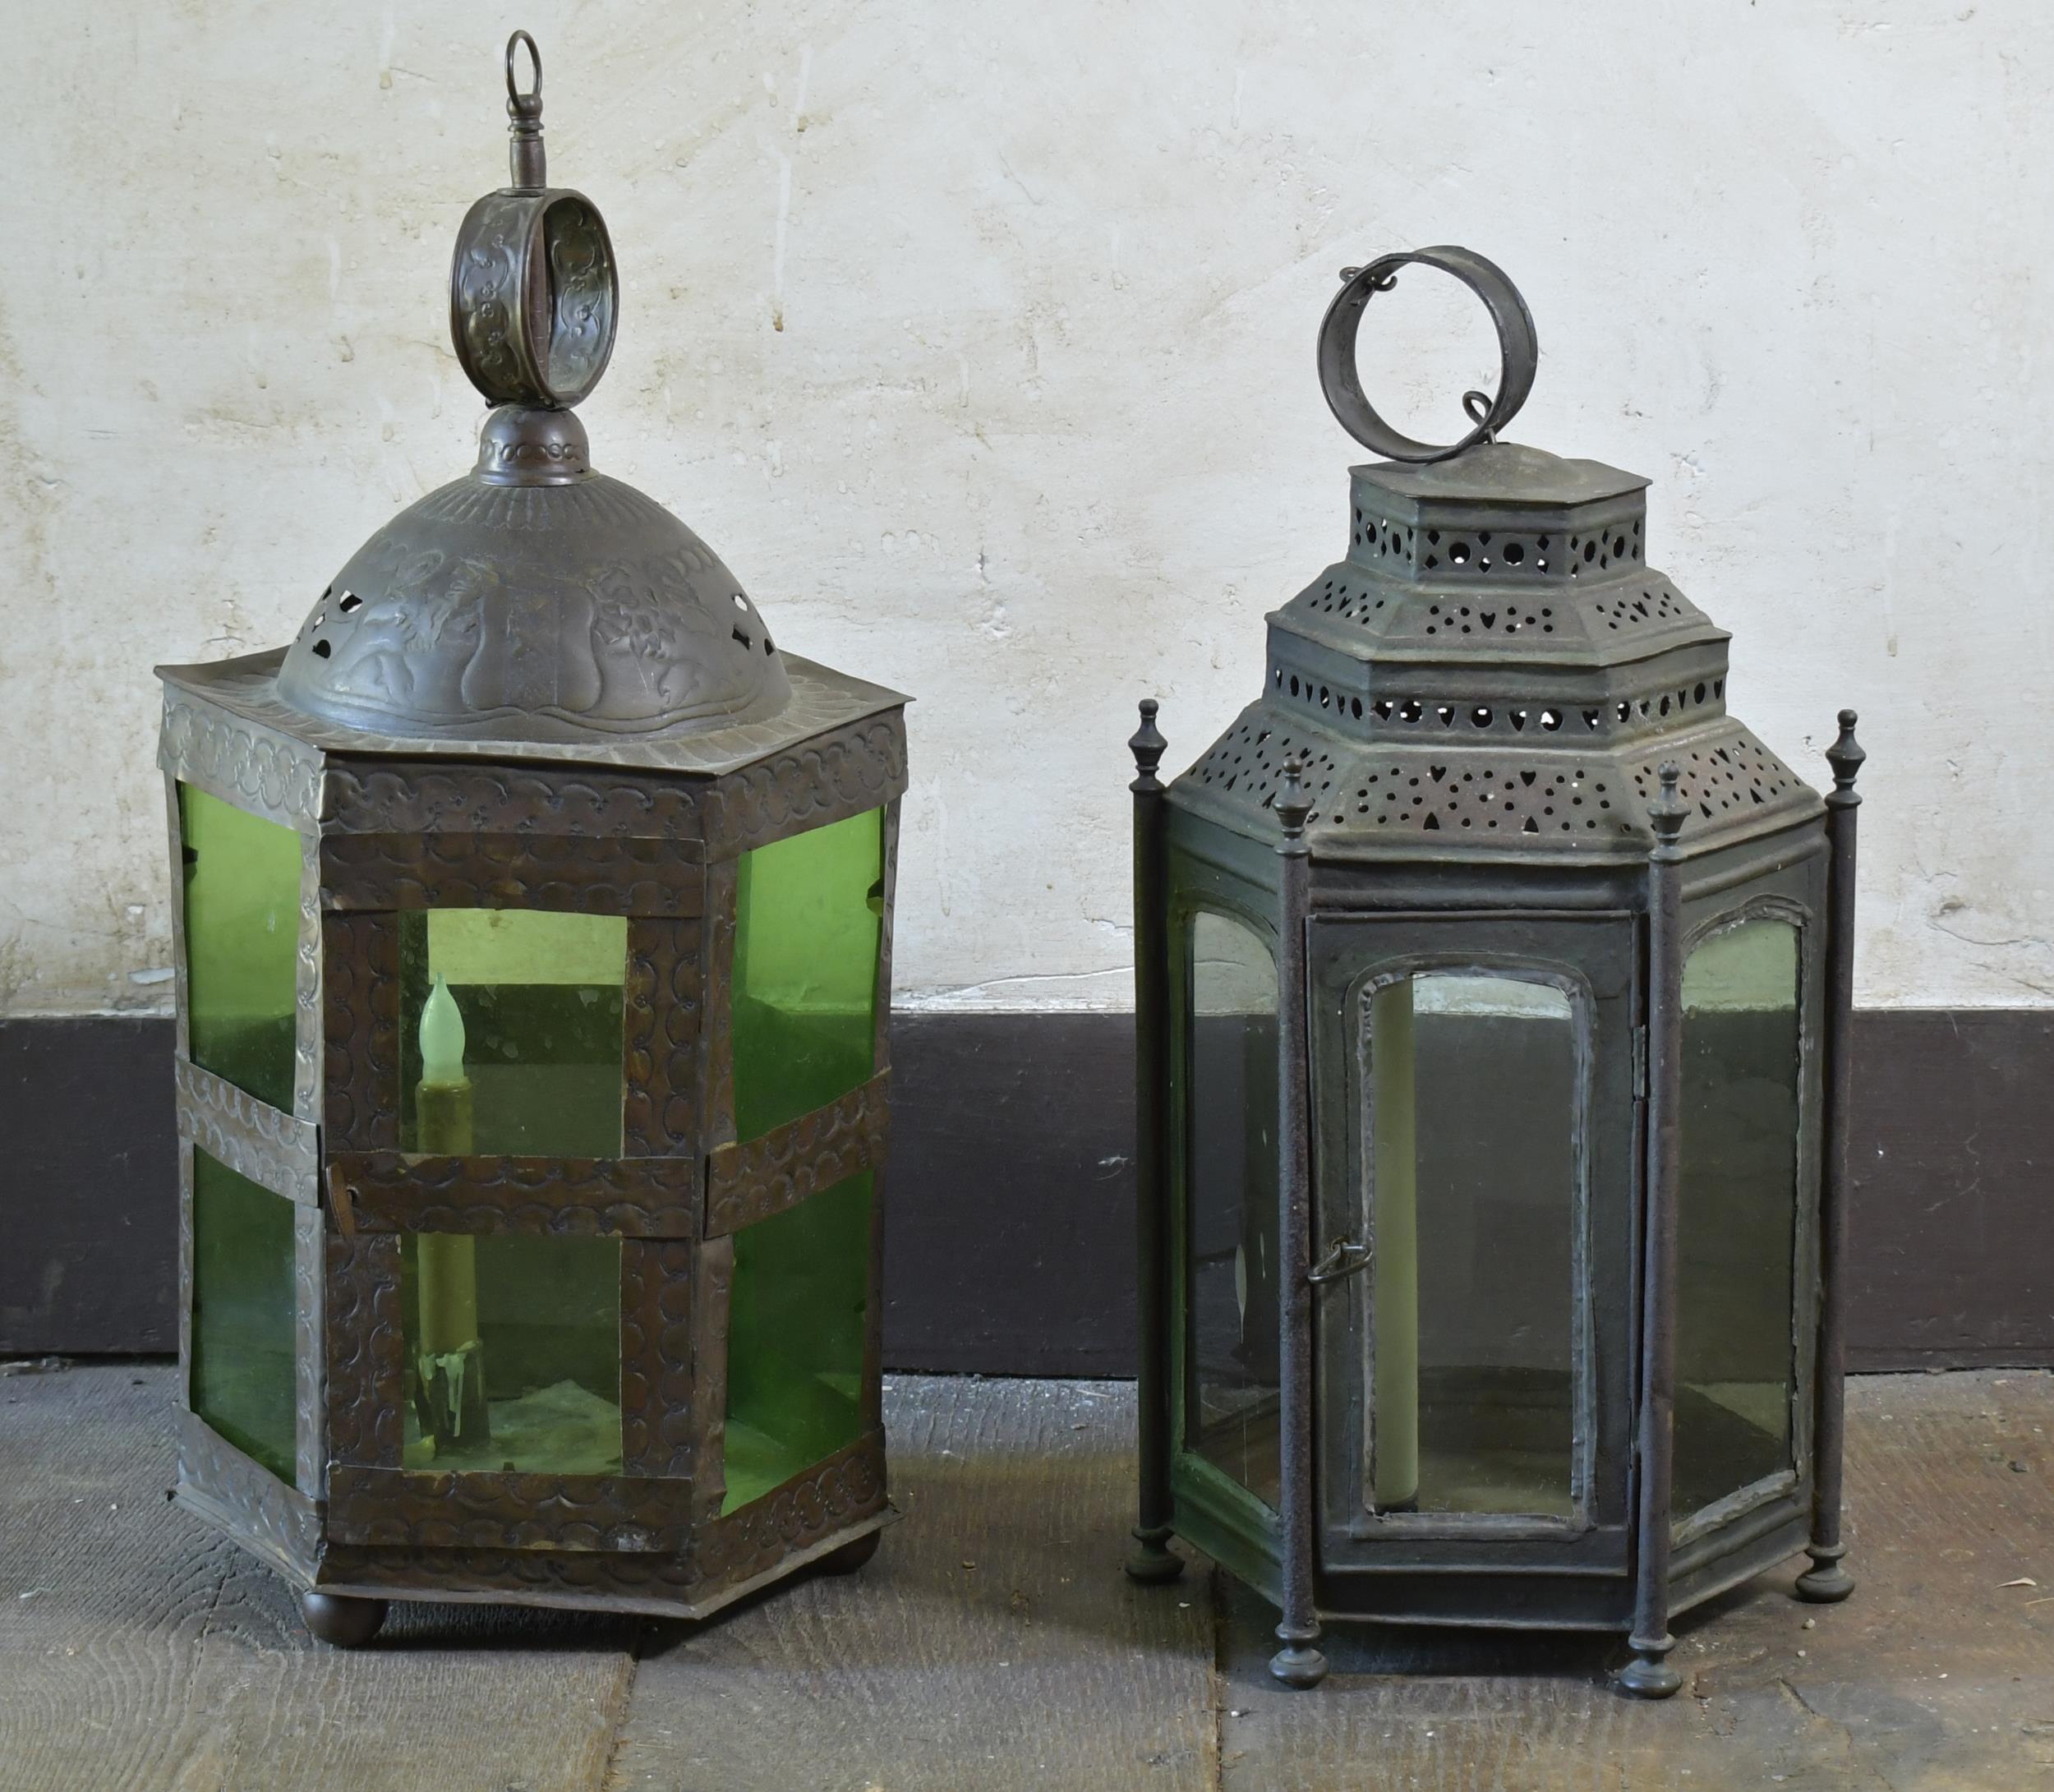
[341, 1620]
[851, 1556]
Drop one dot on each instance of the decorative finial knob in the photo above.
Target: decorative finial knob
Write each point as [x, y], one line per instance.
[1147, 745]
[1518, 349]
[1293, 803]
[1845, 756]
[534, 300]
[1668, 810]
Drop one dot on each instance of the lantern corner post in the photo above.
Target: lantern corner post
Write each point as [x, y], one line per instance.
[1828, 1581]
[1650, 1674]
[1298, 1661]
[1154, 1561]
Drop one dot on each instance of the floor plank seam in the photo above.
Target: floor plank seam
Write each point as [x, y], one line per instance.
[622, 1702]
[1215, 1675]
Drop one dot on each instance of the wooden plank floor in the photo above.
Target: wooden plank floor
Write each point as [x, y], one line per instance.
[993, 1644]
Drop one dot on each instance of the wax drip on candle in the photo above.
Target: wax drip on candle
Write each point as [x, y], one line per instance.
[441, 1038]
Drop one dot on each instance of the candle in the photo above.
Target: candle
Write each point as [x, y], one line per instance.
[451, 1356]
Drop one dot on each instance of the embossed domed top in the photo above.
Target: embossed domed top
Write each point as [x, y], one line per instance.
[534, 600]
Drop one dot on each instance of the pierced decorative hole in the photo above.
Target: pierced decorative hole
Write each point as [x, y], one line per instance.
[1480, 716]
[351, 603]
[769, 646]
[1294, 684]
[1459, 553]
[1698, 695]
[1514, 554]
[1550, 719]
[322, 650]
[741, 602]
[746, 642]
[1355, 708]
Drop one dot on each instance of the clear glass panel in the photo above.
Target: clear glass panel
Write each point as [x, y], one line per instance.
[1231, 1140]
[242, 1312]
[808, 912]
[242, 918]
[1737, 1212]
[796, 1330]
[513, 1352]
[539, 996]
[1472, 1092]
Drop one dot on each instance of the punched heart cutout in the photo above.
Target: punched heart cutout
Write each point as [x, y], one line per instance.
[1437, 772]
[1527, 777]
[1488, 618]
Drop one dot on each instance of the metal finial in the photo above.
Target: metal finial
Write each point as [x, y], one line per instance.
[1668, 811]
[1147, 745]
[525, 154]
[1293, 803]
[1518, 349]
[1845, 756]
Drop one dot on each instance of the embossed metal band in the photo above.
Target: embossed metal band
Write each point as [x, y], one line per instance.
[385, 796]
[621, 876]
[253, 768]
[252, 1505]
[534, 299]
[839, 774]
[554, 1197]
[399, 1507]
[271, 1147]
[802, 1157]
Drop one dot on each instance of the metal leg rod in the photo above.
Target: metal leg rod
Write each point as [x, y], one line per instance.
[1298, 1661]
[1648, 1674]
[1827, 1582]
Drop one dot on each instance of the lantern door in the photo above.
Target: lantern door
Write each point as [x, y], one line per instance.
[1477, 1120]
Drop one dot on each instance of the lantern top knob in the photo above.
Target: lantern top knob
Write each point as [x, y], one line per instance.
[1518, 349]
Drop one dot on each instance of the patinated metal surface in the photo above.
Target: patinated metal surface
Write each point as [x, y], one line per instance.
[624, 875]
[418, 796]
[399, 1508]
[663, 1016]
[841, 774]
[1515, 753]
[805, 1157]
[535, 689]
[274, 1149]
[555, 1197]
[658, 1357]
[831, 1503]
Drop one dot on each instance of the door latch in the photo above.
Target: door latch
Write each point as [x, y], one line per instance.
[1344, 1257]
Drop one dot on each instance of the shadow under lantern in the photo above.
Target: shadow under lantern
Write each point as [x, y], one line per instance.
[533, 942]
[1492, 987]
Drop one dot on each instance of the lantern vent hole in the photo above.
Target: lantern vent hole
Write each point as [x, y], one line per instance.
[351, 603]
[322, 650]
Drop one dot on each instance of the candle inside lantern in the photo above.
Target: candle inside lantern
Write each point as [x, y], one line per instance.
[450, 1357]
[1395, 1240]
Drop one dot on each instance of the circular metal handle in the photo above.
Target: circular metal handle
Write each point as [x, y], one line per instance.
[516, 101]
[1518, 352]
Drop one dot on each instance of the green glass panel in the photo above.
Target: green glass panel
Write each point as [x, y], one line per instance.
[242, 916]
[540, 995]
[1471, 1089]
[796, 1329]
[513, 1348]
[243, 1383]
[1736, 1221]
[1230, 1417]
[808, 912]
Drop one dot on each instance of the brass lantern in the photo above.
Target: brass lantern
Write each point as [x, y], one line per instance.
[534, 937]
[1493, 991]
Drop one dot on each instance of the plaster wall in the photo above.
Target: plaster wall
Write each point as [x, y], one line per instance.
[979, 339]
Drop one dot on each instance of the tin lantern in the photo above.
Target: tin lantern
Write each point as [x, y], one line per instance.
[533, 944]
[1492, 989]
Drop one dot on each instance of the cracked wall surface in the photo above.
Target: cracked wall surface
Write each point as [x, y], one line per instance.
[978, 341]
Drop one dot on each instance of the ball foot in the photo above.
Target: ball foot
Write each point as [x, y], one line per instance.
[1298, 1664]
[850, 1556]
[1155, 1562]
[1826, 1583]
[341, 1619]
[1649, 1676]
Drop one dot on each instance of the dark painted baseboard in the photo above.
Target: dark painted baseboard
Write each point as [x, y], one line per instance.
[1008, 1240]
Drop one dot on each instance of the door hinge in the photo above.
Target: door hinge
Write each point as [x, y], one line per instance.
[1640, 1063]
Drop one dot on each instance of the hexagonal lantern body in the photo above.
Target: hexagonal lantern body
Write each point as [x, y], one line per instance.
[533, 943]
[1486, 1090]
